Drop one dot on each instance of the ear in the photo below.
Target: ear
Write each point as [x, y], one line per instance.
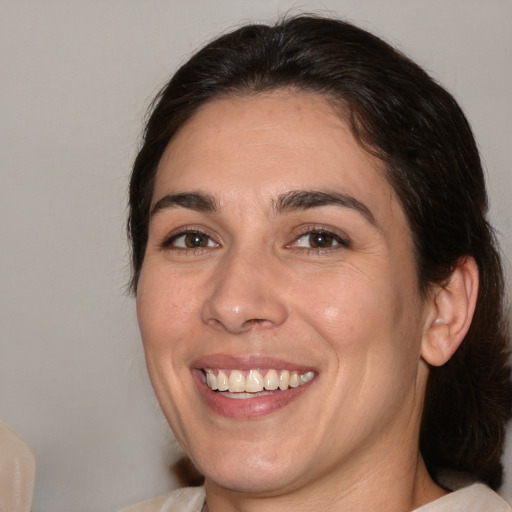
[450, 313]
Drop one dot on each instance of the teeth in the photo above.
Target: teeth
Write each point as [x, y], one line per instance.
[222, 381]
[284, 379]
[243, 396]
[294, 380]
[254, 383]
[236, 382]
[211, 379]
[271, 380]
[306, 377]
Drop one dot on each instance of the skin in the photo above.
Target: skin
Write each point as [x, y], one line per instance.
[351, 311]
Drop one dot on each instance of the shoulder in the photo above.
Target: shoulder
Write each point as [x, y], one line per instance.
[476, 497]
[187, 499]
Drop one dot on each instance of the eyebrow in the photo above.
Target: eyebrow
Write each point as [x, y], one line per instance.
[192, 200]
[288, 202]
[306, 199]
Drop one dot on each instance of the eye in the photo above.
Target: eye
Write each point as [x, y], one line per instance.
[190, 240]
[320, 239]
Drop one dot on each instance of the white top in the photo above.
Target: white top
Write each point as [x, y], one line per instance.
[474, 498]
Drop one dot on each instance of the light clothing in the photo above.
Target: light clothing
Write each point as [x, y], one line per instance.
[186, 499]
[474, 498]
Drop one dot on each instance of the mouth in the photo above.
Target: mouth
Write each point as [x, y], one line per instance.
[248, 387]
[243, 384]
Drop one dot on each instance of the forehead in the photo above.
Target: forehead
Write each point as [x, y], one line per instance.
[260, 146]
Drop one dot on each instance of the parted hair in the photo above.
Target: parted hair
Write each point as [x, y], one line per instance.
[398, 113]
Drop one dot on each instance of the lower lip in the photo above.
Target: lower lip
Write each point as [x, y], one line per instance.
[248, 407]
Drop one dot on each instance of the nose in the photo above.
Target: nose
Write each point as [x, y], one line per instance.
[245, 294]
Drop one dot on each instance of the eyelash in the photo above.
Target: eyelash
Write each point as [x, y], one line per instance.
[340, 242]
[169, 243]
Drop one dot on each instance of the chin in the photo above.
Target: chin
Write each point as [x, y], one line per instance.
[252, 473]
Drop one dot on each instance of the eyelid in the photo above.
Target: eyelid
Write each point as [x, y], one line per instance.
[341, 238]
[167, 242]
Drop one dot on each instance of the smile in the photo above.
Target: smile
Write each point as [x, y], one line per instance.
[249, 387]
[251, 383]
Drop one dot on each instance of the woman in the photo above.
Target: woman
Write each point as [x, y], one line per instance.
[319, 293]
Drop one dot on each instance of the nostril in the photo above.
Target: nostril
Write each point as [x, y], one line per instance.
[254, 321]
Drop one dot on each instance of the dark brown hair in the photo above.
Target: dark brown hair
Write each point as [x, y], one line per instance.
[398, 113]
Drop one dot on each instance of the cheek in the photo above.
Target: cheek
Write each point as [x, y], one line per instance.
[165, 312]
[339, 304]
[360, 313]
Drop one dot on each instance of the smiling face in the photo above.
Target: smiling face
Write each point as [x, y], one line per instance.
[278, 300]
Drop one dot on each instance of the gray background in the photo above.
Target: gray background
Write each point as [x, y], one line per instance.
[76, 78]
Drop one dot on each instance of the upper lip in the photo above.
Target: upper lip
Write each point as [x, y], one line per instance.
[247, 362]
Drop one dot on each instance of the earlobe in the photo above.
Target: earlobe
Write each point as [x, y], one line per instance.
[452, 306]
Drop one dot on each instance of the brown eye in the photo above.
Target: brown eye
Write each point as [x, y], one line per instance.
[191, 240]
[320, 240]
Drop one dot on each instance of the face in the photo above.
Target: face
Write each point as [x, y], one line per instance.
[278, 301]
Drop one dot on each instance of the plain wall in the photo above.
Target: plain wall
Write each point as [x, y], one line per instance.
[76, 78]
